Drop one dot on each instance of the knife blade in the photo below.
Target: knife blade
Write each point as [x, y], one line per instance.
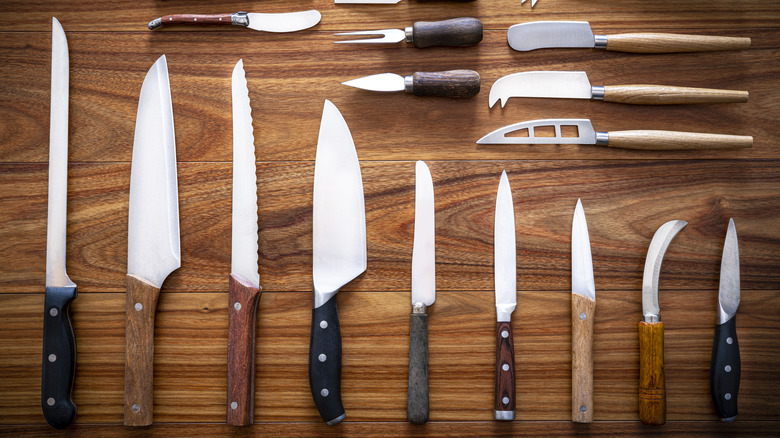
[423, 294]
[652, 382]
[725, 364]
[153, 247]
[451, 83]
[339, 254]
[244, 282]
[457, 32]
[505, 277]
[577, 34]
[390, 2]
[583, 311]
[575, 85]
[266, 22]
[59, 341]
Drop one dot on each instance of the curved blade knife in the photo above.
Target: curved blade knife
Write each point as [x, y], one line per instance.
[266, 22]
[583, 311]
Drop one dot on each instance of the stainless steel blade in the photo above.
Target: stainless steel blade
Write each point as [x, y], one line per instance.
[582, 282]
[424, 250]
[339, 216]
[729, 291]
[504, 252]
[153, 248]
[545, 84]
[283, 22]
[547, 34]
[585, 133]
[378, 82]
[387, 36]
[655, 255]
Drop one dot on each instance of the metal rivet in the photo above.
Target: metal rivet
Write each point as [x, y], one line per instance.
[237, 306]
[322, 358]
[729, 340]
[324, 392]
[234, 405]
[505, 367]
[139, 306]
[52, 357]
[583, 316]
[53, 311]
[505, 400]
[194, 19]
[135, 407]
[323, 324]
[728, 368]
[504, 334]
[583, 408]
[727, 396]
[50, 401]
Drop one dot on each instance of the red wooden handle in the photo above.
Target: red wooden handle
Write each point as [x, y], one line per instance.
[243, 297]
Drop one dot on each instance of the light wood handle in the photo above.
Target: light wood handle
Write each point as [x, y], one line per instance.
[665, 95]
[671, 43]
[583, 310]
[674, 140]
[652, 384]
[243, 297]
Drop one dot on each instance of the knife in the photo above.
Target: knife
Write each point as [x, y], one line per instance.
[585, 134]
[550, 34]
[457, 32]
[575, 85]
[423, 294]
[725, 364]
[153, 249]
[451, 83]
[533, 2]
[583, 310]
[59, 342]
[244, 289]
[652, 384]
[505, 277]
[266, 22]
[339, 254]
[391, 2]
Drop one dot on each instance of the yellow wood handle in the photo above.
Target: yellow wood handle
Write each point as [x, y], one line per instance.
[670, 43]
[665, 95]
[674, 140]
[652, 384]
[583, 310]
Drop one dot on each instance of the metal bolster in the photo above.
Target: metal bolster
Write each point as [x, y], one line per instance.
[409, 31]
[419, 308]
[602, 138]
[600, 41]
[154, 24]
[239, 19]
[597, 92]
[408, 84]
[504, 415]
[651, 317]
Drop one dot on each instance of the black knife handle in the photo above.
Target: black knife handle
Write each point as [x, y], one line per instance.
[325, 362]
[451, 83]
[725, 370]
[59, 357]
[417, 392]
[504, 400]
[457, 32]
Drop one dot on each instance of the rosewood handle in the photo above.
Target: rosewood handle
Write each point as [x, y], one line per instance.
[665, 95]
[671, 43]
[451, 83]
[202, 19]
[457, 32]
[504, 400]
[725, 370]
[243, 297]
[674, 140]
[417, 392]
[325, 362]
[583, 310]
[652, 384]
[59, 357]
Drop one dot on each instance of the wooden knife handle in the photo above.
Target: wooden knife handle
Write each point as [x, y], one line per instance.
[139, 351]
[451, 83]
[504, 400]
[457, 32]
[665, 95]
[652, 384]
[583, 311]
[203, 19]
[725, 370]
[325, 362]
[671, 43]
[59, 357]
[417, 392]
[675, 140]
[243, 298]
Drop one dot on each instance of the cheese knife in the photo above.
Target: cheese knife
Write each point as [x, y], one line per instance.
[153, 249]
[339, 254]
[451, 83]
[266, 22]
[391, 2]
[583, 311]
[457, 32]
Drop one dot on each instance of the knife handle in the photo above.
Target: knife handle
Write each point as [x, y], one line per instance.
[652, 384]
[666, 95]
[59, 357]
[243, 297]
[504, 400]
[325, 362]
[451, 83]
[672, 43]
[457, 32]
[417, 392]
[203, 19]
[725, 370]
[139, 351]
[675, 140]
[583, 310]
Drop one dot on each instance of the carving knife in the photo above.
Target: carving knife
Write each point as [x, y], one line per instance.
[390, 2]
[59, 342]
[244, 282]
[153, 248]
[652, 383]
[268, 22]
[457, 32]
[505, 277]
[575, 85]
[451, 83]
[423, 294]
[339, 254]
[583, 311]
[725, 364]
[549, 34]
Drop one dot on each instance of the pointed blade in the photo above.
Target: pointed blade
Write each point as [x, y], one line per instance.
[504, 252]
[548, 34]
[424, 251]
[582, 282]
[655, 255]
[543, 84]
[378, 82]
[283, 22]
[729, 290]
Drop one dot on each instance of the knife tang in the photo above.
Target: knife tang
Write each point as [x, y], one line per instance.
[671, 43]
[675, 140]
[725, 370]
[583, 310]
[243, 297]
[504, 404]
[457, 32]
[59, 357]
[652, 384]
[417, 393]
[325, 362]
[203, 19]
[451, 83]
[667, 95]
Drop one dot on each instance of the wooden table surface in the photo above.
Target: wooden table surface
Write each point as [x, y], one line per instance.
[627, 195]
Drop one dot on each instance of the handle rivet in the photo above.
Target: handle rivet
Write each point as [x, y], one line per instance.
[727, 396]
[52, 357]
[234, 405]
[583, 316]
[728, 368]
[194, 19]
[505, 400]
[505, 367]
[139, 306]
[50, 401]
[324, 392]
[53, 311]
[504, 334]
[135, 407]
[323, 324]
[237, 306]
[729, 340]
[322, 358]
[583, 408]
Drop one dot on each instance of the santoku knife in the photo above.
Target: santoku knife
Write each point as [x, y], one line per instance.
[266, 22]
[457, 32]
[451, 83]
[153, 248]
[391, 2]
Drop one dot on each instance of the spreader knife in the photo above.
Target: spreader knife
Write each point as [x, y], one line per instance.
[583, 311]
[457, 32]
[269, 22]
[451, 83]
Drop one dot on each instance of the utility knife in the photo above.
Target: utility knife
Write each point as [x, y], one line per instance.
[583, 311]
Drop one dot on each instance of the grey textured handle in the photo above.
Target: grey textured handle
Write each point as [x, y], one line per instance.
[417, 395]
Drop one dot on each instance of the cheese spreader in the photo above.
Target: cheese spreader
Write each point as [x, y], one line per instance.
[391, 2]
[457, 32]
[451, 83]
[266, 22]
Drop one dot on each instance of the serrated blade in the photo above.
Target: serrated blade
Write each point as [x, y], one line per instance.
[504, 252]
[283, 22]
[424, 251]
[655, 255]
[585, 133]
[549, 34]
[582, 282]
[542, 84]
[378, 82]
[729, 290]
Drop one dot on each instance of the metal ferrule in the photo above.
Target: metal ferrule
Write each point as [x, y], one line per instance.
[602, 138]
[154, 24]
[504, 415]
[419, 308]
[600, 42]
[239, 19]
[409, 31]
[597, 93]
[651, 317]
[408, 84]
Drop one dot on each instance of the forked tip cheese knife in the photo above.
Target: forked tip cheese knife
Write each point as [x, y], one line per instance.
[266, 22]
[583, 310]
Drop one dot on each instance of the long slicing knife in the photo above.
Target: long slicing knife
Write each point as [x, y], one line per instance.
[283, 22]
[505, 276]
[423, 294]
[244, 283]
[725, 364]
[59, 342]
[583, 310]
[652, 383]
[339, 254]
[153, 248]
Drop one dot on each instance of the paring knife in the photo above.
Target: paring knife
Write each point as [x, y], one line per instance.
[575, 85]
[583, 311]
[339, 254]
[505, 277]
[266, 22]
[451, 83]
[391, 2]
[423, 294]
[652, 383]
[153, 248]
[725, 364]
[457, 32]
[59, 342]
[244, 283]
[585, 134]
[551, 34]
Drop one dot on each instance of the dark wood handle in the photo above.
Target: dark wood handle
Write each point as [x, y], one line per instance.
[457, 32]
[504, 400]
[665, 95]
[652, 384]
[583, 310]
[417, 392]
[59, 357]
[202, 19]
[725, 370]
[451, 83]
[325, 362]
[672, 43]
[243, 298]
[674, 140]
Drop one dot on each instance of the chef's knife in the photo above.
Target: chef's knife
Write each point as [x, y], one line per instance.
[59, 342]
[451, 83]
[339, 254]
[391, 2]
[423, 294]
[575, 85]
[153, 249]
[505, 277]
[244, 282]
[583, 310]
[266, 22]
[652, 383]
[725, 364]
[547, 34]
[457, 32]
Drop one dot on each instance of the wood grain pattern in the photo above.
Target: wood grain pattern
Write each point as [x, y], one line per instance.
[456, 32]
[451, 83]
[505, 392]
[196, 19]
[652, 381]
[583, 312]
[672, 43]
[243, 298]
[667, 95]
[671, 140]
